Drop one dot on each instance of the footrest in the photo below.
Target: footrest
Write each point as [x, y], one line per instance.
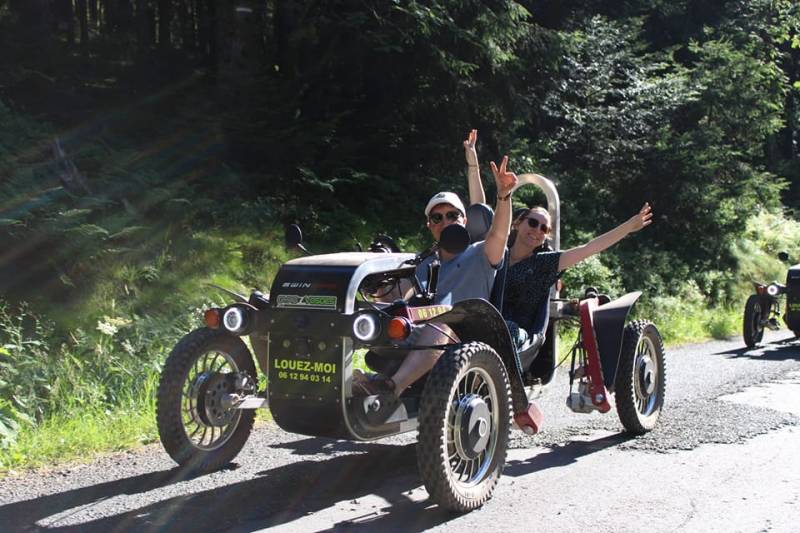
[383, 409]
[530, 420]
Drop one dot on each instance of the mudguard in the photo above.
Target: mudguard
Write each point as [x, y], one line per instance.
[609, 325]
[478, 320]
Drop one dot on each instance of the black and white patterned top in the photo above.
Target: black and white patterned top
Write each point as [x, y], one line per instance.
[528, 282]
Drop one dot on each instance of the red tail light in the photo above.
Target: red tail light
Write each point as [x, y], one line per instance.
[212, 317]
[399, 328]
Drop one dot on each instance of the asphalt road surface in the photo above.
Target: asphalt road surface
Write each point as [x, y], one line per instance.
[723, 458]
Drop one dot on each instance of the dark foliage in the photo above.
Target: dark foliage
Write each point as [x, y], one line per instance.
[346, 115]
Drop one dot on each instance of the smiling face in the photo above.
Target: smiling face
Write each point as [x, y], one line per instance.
[441, 216]
[532, 227]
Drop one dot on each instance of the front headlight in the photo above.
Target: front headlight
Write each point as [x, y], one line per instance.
[234, 319]
[774, 289]
[366, 327]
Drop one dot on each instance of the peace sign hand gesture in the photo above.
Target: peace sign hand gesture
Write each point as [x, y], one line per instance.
[505, 180]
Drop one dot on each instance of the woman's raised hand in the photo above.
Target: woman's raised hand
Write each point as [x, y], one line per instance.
[641, 219]
[505, 180]
[469, 148]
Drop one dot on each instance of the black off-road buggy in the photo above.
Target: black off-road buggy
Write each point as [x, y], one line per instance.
[318, 314]
[763, 308]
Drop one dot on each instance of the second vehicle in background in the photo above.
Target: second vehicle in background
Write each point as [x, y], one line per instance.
[763, 308]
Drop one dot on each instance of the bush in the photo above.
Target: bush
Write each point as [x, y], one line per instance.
[767, 233]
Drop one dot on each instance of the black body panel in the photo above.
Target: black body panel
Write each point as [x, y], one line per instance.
[309, 417]
[311, 287]
[792, 316]
[609, 325]
[305, 371]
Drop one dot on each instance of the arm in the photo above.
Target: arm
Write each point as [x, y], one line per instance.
[476, 195]
[575, 255]
[497, 237]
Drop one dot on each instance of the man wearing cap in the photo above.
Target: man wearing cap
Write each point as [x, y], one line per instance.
[469, 274]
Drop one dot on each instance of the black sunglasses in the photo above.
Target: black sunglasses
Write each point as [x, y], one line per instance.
[452, 216]
[533, 223]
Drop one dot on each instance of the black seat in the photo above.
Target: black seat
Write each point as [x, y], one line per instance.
[536, 337]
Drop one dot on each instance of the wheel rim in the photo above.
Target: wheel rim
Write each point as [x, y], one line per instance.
[646, 377]
[208, 424]
[472, 428]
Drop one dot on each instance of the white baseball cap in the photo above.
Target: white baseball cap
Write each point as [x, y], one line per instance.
[445, 198]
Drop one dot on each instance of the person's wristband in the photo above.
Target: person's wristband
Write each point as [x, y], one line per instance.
[503, 198]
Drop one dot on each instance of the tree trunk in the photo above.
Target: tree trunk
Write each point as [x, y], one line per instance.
[186, 18]
[240, 47]
[145, 26]
[213, 23]
[83, 21]
[164, 22]
[94, 13]
[63, 20]
[280, 34]
[109, 13]
[203, 27]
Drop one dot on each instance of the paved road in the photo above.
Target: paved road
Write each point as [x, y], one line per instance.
[722, 459]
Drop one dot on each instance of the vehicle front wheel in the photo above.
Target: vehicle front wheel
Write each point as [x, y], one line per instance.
[641, 377]
[196, 427]
[464, 421]
[752, 325]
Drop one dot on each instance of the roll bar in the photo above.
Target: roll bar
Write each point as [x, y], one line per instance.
[553, 202]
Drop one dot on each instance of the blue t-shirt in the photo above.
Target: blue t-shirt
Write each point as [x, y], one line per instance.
[467, 275]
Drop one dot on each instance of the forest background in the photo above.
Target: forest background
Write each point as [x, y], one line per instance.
[149, 147]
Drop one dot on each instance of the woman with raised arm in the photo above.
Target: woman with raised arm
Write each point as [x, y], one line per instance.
[532, 271]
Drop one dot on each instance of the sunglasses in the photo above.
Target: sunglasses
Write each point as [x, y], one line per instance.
[533, 223]
[452, 216]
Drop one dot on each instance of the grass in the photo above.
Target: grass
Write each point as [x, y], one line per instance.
[65, 438]
[81, 434]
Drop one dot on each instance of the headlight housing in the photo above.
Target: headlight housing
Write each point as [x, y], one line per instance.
[774, 289]
[366, 327]
[236, 319]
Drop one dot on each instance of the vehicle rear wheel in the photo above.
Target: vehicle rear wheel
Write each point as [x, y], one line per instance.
[464, 421]
[752, 327]
[641, 377]
[195, 426]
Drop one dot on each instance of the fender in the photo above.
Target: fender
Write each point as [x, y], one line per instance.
[478, 320]
[609, 325]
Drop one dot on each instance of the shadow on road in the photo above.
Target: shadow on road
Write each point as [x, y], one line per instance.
[563, 455]
[775, 351]
[277, 496]
[273, 497]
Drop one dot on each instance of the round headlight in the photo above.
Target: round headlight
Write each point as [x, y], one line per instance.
[366, 327]
[233, 319]
[773, 290]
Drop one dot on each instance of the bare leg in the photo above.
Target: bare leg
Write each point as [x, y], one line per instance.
[419, 362]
